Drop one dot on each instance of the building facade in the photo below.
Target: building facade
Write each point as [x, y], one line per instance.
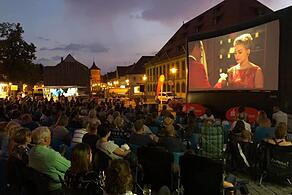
[67, 77]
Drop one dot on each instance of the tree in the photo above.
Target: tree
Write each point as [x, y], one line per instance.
[16, 55]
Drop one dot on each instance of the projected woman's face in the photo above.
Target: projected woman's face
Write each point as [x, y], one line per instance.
[241, 53]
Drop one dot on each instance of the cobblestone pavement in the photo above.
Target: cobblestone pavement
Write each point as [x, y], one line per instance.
[267, 188]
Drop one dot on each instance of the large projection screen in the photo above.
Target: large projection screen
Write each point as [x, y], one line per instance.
[243, 60]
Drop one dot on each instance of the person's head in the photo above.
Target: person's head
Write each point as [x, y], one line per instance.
[103, 131]
[26, 118]
[164, 107]
[242, 45]
[92, 113]
[92, 128]
[11, 127]
[81, 158]
[119, 122]
[3, 124]
[239, 126]
[41, 136]
[169, 130]
[196, 50]
[276, 108]
[63, 120]
[116, 114]
[167, 121]
[262, 115]
[245, 136]
[22, 136]
[281, 131]
[118, 178]
[208, 112]
[139, 125]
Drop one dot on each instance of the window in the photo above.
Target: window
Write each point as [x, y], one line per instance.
[183, 87]
[178, 87]
[183, 69]
[178, 70]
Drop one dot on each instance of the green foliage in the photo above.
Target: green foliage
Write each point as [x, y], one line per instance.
[16, 55]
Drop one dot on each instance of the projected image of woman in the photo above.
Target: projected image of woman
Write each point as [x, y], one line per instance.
[198, 77]
[244, 74]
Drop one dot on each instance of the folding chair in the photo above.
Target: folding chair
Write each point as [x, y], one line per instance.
[200, 175]
[276, 162]
[157, 167]
[101, 161]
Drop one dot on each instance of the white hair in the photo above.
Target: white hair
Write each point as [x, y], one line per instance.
[40, 134]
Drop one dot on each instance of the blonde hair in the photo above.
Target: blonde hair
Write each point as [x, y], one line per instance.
[169, 130]
[118, 122]
[281, 131]
[244, 39]
[92, 113]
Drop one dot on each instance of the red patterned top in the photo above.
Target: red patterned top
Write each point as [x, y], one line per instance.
[244, 78]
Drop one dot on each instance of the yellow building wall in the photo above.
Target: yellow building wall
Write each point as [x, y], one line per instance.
[154, 70]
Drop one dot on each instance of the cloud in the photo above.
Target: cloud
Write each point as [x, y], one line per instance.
[43, 38]
[42, 60]
[94, 48]
[163, 11]
[55, 58]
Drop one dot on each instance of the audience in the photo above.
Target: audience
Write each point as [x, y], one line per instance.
[104, 121]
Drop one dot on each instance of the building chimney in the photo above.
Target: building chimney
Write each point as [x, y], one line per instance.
[62, 59]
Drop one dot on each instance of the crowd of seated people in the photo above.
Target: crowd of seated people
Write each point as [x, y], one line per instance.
[60, 139]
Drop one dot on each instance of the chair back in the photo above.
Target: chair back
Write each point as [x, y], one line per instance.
[201, 175]
[38, 182]
[278, 160]
[156, 164]
[101, 160]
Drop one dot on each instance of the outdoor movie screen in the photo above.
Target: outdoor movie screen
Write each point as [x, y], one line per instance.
[243, 60]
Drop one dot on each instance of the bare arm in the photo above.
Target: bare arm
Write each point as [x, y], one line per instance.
[259, 79]
[121, 152]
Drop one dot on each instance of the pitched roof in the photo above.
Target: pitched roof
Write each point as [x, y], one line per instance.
[68, 72]
[123, 70]
[139, 66]
[94, 67]
[225, 14]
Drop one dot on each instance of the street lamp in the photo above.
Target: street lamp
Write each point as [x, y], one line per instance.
[144, 78]
[173, 71]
